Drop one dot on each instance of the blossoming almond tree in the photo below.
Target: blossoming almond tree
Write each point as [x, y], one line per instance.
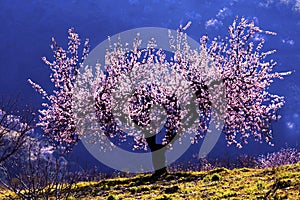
[229, 77]
[56, 118]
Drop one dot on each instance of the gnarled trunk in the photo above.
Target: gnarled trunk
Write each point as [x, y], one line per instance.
[158, 156]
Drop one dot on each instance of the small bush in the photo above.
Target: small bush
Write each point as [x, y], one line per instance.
[281, 184]
[216, 177]
[165, 197]
[145, 188]
[133, 190]
[172, 190]
[228, 194]
[206, 179]
[111, 197]
[260, 186]
[105, 187]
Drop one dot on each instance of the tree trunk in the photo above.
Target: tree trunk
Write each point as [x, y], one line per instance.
[158, 156]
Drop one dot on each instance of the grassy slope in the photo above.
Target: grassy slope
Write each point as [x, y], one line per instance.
[274, 183]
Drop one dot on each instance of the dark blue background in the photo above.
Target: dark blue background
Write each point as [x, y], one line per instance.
[27, 27]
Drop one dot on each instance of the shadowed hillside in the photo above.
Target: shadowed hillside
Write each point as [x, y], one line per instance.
[220, 183]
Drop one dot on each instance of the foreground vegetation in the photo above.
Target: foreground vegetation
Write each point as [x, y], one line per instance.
[220, 183]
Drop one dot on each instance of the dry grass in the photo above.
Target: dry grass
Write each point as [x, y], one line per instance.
[245, 183]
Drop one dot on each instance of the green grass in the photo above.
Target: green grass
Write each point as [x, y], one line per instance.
[245, 183]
